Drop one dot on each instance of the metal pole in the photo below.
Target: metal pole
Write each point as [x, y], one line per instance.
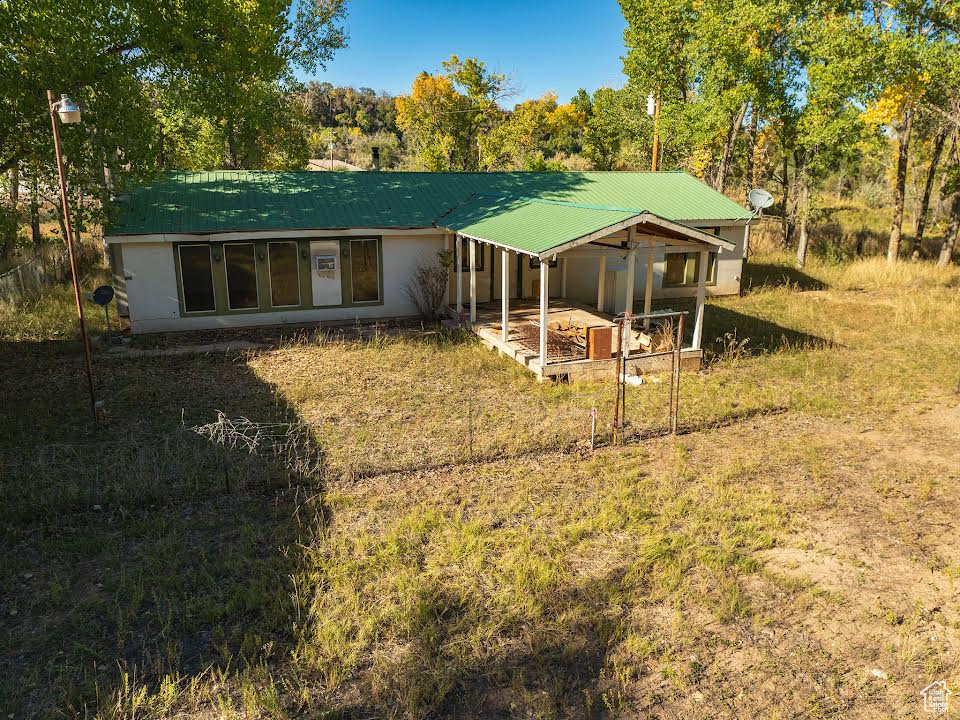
[656, 133]
[675, 380]
[73, 263]
[624, 351]
[616, 404]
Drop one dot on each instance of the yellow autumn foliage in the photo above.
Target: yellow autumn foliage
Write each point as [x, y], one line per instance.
[895, 99]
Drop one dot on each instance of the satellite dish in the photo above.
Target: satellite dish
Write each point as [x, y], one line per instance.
[760, 199]
[103, 295]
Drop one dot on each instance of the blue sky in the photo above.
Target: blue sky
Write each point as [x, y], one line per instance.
[558, 45]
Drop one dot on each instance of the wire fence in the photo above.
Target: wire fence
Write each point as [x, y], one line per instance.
[24, 280]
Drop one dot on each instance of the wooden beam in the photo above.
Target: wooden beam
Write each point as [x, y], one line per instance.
[544, 310]
[631, 278]
[602, 283]
[473, 280]
[648, 286]
[458, 263]
[505, 294]
[701, 298]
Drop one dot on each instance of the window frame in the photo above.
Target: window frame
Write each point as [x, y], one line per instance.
[465, 255]
[226, 276]
[551, 264]
[183, 289]
[379, 257]
[296, 270]
[711, 281]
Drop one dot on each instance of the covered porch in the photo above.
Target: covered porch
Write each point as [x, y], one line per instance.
[531, 319]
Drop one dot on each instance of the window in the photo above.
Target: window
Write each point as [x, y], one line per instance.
[365, 270]
[465, 255]
[241, 265]
[284, 274]
[682, 269]
[535, 263]
[196, 278]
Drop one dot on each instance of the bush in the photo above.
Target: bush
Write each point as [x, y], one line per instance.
[428, 288]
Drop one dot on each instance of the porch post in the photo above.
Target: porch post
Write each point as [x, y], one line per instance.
[648, 287]
[473, 280]
[544, 304]
[701, 298]
[505, 294]
[458, 264]
[563, 277]
[631, 278]
[602, 282]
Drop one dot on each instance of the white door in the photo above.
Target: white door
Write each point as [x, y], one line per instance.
[325, 272]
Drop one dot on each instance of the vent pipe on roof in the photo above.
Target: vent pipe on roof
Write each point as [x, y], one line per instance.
[376, 157]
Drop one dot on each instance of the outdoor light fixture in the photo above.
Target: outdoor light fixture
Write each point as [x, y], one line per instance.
[651, 105]
[68, 110]
[69, 114]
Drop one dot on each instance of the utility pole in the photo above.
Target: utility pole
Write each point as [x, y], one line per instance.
[71, 114]
[653, 108]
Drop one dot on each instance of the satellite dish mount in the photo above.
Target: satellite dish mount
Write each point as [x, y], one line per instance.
[759, 199]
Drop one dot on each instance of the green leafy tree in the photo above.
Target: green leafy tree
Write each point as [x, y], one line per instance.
[445, 113]
[220, 55]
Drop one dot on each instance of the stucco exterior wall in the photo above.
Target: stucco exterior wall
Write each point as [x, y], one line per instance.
[154, 301]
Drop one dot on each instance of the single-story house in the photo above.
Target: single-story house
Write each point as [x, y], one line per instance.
[227, 249]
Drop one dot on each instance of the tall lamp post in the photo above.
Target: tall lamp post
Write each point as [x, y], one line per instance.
[653, 110]
[69, 113]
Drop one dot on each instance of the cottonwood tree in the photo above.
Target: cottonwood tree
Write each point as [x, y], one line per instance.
[446, 112]
[111, 56]
[713, 63]
[898, 48]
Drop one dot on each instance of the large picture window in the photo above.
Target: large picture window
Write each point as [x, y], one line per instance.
[365, 270]
[284, 274]
[241, 266]
[682, 269]
[196, 278]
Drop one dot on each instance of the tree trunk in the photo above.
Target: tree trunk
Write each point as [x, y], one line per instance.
[232, 147]
[751, 168]
[893, 247]
[950, 236]
[15, 185]
[735, 122]
[35, 216]
[916, 246]
[803, 206]
[784, 221]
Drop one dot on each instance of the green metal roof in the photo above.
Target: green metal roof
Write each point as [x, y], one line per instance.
[224, 201]
[531, 225]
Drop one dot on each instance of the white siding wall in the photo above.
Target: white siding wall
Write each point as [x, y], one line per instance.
[154, 305]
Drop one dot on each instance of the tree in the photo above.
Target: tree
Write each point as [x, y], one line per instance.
[114, 57]
[445, 113]
[532, 136]
[907, 42]
[711, 62]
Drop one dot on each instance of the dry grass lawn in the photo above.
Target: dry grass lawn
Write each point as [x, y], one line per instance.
[793, 553]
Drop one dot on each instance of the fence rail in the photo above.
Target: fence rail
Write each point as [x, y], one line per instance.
[25, 279]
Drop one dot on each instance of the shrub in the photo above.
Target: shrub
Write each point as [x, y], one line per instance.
[427, 289]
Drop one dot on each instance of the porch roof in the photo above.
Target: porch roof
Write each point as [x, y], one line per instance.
[542, 227]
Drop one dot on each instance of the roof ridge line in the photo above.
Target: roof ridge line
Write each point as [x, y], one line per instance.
[567, 203]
